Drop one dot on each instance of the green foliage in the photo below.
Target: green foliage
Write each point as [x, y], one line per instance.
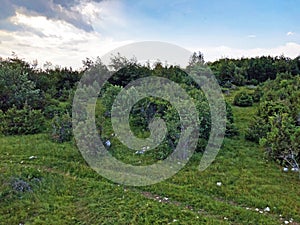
[275, 125]
[21, 121]
[257, 94]
[281, 140]
[243, 99]
[253, 70]
[257, 129]
[61, 128]
[15, 86]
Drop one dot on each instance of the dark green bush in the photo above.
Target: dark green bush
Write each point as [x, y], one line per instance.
[243, 99]
[275, 124]
[62, 128]
[231, 130]
[21, 121]
[257, 129]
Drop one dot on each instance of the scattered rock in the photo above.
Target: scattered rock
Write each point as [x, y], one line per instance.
[32, 157]
[285, 169]
[140, 152]
[295, 169]
[267, 209]
[219, 184]
[286, 222]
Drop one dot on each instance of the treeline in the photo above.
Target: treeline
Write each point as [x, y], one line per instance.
[253, 71]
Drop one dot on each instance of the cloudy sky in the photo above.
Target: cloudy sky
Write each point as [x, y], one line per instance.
[65, 32]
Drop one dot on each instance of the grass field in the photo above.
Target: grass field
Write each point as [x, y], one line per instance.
[62, 189]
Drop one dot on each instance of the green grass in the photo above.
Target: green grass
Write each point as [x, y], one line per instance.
[66, 191]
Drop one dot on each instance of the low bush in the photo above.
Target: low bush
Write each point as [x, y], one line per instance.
[243, 99]
[62, 128]
[21, 121]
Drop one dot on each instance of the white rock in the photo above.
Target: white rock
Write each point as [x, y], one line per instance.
[225, 218]
[140, 152]
[295, 169]
[256, 209]
[267, 209]
[286, 222]
[108, 143]
[261, 212]
[285, 169]
[32, 157]
[219, 184]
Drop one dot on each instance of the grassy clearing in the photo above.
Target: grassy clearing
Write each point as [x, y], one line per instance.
[64, 190]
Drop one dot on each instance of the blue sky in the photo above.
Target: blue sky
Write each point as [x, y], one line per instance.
[65, 32]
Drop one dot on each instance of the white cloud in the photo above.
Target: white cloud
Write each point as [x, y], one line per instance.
[251, 36]
[290, 49]
[290, 33]
[56, 41]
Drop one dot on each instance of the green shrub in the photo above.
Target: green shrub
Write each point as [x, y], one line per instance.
[258, 93]
[282, 140]
[21, 121]
[275, 124]
[257, 129]
[231, 130]
[61, 128]
[243, 99]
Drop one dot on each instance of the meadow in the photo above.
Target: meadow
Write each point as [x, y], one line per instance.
[43, 182]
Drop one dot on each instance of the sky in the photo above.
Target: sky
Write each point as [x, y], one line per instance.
[65, 32]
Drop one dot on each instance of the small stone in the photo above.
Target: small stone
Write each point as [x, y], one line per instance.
[32, 157]
[261, 212]
[267, 209]
[247, 208]
[108, 143]
[256, 209]
[219, 184]
[285, 169]
[225, 218]
[295, 169]
[286, 222]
